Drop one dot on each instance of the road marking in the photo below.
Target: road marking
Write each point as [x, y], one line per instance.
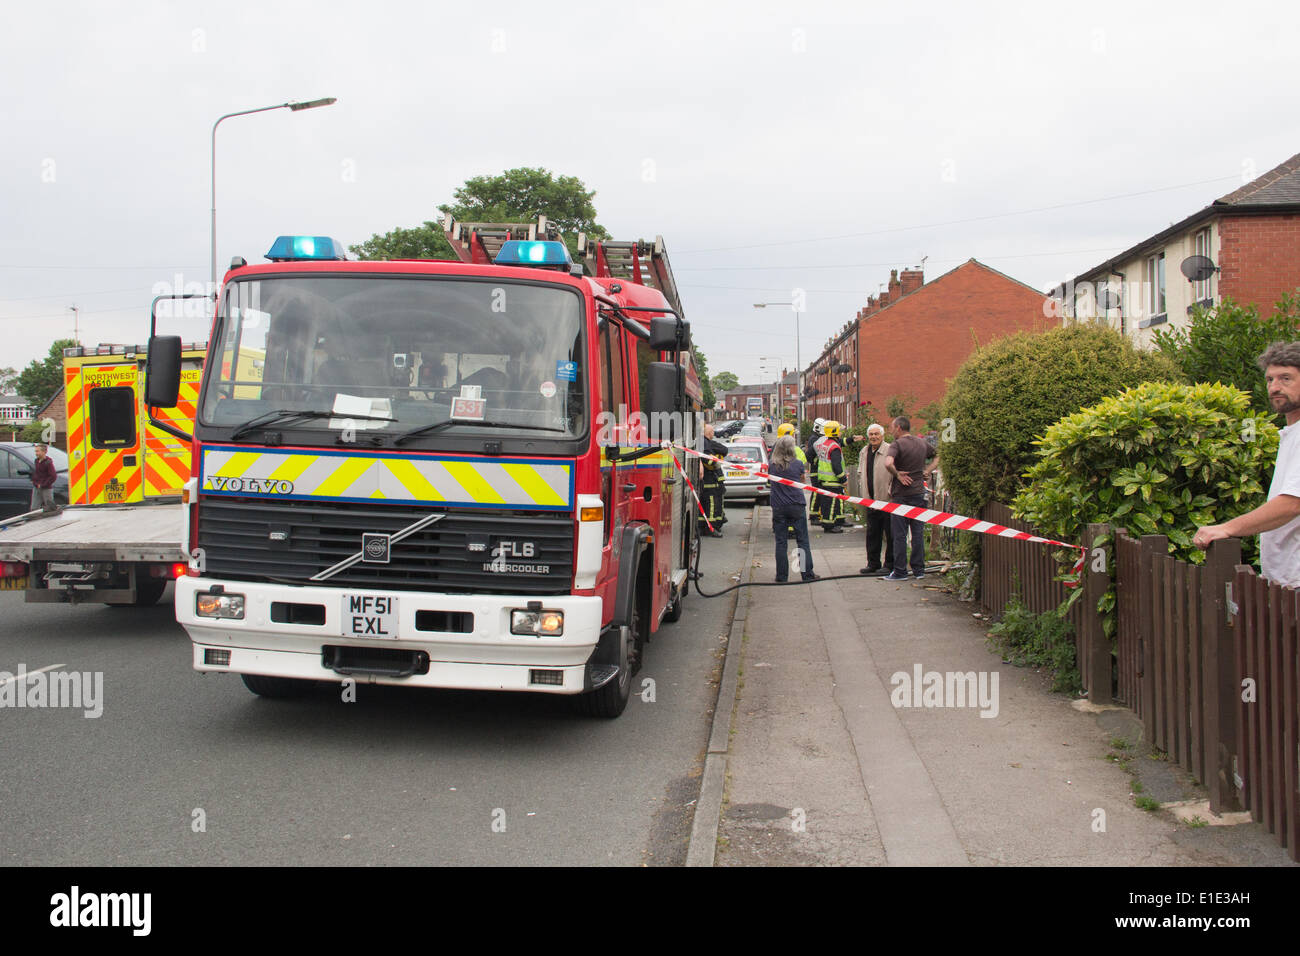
[27, 674]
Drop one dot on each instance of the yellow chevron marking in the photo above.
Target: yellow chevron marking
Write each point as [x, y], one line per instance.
[292, 467]
[239, 463]
[532, 483]
[469, 478]
[411, 479]
[343, 477]
[378, 494]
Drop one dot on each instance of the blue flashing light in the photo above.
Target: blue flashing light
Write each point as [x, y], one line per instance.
[306, 248]
[542, 254]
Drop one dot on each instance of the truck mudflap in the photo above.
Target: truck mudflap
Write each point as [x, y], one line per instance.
[608, 658]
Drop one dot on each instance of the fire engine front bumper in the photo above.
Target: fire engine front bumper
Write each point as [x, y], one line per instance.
[407, 638]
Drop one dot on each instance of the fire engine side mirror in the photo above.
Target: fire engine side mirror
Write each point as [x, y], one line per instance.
[162, 371]
[666, 333]
[665, 387]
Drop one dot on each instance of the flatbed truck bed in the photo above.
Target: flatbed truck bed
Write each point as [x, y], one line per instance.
[110, 554]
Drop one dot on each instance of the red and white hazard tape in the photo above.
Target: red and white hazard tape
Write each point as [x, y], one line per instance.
[912, 512]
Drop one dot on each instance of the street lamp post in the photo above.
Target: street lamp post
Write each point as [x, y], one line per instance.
[310, 104]
[798, 368]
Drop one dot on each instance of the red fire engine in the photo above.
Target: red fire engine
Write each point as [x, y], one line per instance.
[439, 473]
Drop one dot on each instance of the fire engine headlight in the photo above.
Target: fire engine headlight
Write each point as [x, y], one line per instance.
[542, 623]
[219, 605]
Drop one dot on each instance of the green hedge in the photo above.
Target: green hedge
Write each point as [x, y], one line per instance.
[1008, 392]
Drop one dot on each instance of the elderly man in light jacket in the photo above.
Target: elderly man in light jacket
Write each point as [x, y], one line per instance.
[874, 480]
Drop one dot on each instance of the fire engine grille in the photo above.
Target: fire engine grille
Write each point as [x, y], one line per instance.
[254, 539]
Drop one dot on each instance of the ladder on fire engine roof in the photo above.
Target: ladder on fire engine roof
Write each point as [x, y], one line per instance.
[645, 263]
[479, 242]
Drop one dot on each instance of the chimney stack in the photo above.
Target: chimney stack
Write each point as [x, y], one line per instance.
[912, 279]
[895, 287]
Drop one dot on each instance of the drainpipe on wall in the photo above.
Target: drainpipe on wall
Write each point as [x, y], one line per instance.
[1123, 329]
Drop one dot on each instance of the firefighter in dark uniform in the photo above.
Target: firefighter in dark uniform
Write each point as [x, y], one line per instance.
[831, 476]
[711, 493]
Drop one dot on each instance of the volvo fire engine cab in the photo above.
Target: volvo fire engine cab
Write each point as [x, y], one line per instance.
[440, 473]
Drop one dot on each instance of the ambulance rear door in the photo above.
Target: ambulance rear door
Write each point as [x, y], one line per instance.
[104, 442]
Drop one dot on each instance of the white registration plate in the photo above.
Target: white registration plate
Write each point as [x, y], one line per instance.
[369, 615]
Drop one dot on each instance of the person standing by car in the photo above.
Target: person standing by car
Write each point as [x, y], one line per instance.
[788, 509]
[43, 478]
[711, 491]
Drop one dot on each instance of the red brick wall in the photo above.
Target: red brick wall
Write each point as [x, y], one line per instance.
[1259, 258]
[918, 344]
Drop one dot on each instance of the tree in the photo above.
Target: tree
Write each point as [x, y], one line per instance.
[523, 194]
[516, 195]
[702, 370]
[8, 378]
[422, 242]
[43, 377]
[1221, 344]
[1008, 392]
[725, 381]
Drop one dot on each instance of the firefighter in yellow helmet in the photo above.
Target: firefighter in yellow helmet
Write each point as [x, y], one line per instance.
[831, 476]
[785, 428]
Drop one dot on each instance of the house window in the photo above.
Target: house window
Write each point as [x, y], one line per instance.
[1202, 248]
[1155, 283]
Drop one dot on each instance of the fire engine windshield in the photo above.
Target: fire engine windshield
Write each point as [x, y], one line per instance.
[389, 355]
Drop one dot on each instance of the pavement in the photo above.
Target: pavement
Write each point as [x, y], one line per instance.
[822, 755]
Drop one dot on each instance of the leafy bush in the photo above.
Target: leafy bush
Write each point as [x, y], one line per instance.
[1026, 639]
[1008, 392]
[1156, 459]
[1221, 344]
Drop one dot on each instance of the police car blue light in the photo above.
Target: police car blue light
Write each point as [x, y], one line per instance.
[539, 253]
[306, 249]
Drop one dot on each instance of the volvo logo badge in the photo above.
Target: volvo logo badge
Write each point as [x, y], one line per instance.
[375, 548]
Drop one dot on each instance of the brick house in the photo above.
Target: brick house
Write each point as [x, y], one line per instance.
[911, 339]
[736, 401]
[57, 409]
[1251, 237]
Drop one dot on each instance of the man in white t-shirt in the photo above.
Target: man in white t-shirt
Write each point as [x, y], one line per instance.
[1277, 521]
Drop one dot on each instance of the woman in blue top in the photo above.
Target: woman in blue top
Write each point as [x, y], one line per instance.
[788, 510]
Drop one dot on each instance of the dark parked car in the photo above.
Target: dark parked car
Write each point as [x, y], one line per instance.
[17, 459]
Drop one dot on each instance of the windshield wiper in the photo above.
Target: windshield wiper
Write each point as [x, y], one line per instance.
[448, 422]
[282, 416]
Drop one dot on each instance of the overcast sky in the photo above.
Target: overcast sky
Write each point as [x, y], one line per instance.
[774, 146]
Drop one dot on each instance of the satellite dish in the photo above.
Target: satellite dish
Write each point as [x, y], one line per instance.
[1198, 268]
[1108, 299]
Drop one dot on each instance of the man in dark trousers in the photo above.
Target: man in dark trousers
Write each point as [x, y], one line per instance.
[910, 461]
[874, 481]
[43, 478]
[711, 491]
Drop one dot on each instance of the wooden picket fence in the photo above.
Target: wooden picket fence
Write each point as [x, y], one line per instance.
[1207, 656]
